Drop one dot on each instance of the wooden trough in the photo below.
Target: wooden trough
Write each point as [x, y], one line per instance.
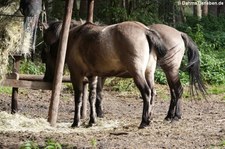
[16, 81]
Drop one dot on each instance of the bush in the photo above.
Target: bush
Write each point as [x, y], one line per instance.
[212, 55]
[29, 67]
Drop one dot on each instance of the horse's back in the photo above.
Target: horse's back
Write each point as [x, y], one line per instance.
[108, 48]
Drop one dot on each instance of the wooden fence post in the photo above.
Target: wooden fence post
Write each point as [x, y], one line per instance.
[90, 11]
[57, 82]
[14, 100]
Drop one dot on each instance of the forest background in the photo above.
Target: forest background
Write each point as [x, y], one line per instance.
[202, 20]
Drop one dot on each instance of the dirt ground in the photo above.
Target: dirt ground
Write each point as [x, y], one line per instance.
[202, 124]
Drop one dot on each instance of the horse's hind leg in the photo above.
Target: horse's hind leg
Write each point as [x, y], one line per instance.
[149, 75]
[176, 91]
[78, 88]
[92, 98]
[170, 65]
[98, 105]
[143, 87]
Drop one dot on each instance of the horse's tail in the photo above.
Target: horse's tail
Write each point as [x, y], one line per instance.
[155, 40]
[193, 65]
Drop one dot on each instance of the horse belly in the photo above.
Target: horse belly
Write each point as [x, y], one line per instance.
[109, 67]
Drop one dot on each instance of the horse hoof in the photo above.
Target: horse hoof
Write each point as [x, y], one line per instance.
[176, 118]
[143, 125]
[75, 125]
[100, 115]
[92, 122]
[168, 118]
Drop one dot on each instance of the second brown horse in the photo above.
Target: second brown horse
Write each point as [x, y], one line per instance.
[128, 47]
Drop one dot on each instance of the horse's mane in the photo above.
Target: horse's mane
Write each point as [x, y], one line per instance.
[56, 26]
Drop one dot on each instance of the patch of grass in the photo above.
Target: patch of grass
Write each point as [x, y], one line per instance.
[162, 92]
[29, 145]
[5, 90]
[216, 89]
[29, 67]
[93, 143]
[121, 84]
[68, 88]
[222, 144]
[50, 144]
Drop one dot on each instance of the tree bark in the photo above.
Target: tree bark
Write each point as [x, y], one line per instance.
[198, 10]
[83, 9]
[57, 82]
[205, 9]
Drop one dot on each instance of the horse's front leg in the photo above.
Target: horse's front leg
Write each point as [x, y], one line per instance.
[92, 99]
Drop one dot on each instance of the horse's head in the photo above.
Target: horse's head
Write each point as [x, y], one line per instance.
[49, 52]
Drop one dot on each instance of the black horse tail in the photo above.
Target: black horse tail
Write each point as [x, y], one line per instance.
[193, 66]
[155, 40]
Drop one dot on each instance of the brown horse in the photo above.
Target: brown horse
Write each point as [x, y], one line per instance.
[128, 47]
[176, 42]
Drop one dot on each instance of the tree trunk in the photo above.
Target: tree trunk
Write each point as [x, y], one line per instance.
[83, 9]
[183, 18]
[198, 11]
[48, 7]
[166, 11]
[90, 11]
[205, 9]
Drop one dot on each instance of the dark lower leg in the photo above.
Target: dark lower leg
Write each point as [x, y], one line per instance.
[146, 93]
[174, 112]
[92, 99]
[98, 105]
[78, 103]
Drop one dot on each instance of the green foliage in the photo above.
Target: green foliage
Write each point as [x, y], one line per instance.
[50, 144]
[29, 145]
[222, 144]
[160, 77]
[216, 89]
[5, 90]
[93, 143]
[29, 67]
[113, 12]
[211, 46]
[121, 85]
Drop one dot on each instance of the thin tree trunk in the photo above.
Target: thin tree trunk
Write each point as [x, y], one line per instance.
[198, 10]
[205, 9]
[90, 11]
[183, 18]
[83, 9]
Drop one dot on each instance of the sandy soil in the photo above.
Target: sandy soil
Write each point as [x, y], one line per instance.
[202, 124]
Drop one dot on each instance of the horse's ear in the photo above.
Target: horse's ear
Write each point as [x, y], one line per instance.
[82, 21]
[44, 26]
